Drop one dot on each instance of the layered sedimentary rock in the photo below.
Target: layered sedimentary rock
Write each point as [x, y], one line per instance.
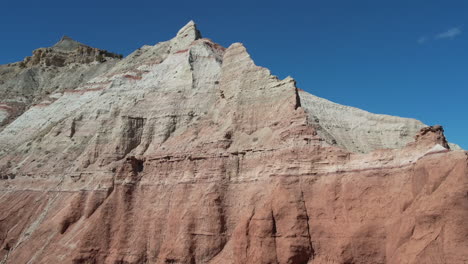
[41, 78]
[187, 152]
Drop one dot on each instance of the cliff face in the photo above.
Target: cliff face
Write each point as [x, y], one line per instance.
[42, 77]
[187, 152]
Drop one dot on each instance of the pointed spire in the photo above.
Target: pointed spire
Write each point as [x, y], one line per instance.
[237, 53]
[190, 31]
[186, 35]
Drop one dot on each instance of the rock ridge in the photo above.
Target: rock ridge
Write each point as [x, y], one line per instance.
[65, 52]
[42, 77]
[188, 152]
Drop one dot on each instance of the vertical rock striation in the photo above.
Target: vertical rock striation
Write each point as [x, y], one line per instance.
[188, 152]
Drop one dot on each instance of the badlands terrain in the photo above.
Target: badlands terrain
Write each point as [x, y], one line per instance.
[188, 152]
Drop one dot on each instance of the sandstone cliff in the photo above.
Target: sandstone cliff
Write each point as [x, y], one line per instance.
[187, 152]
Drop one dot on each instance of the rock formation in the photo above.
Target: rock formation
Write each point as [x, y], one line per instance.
[42, 77]
[187, 152]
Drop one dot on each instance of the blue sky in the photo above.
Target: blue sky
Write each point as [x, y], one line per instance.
[407, 57]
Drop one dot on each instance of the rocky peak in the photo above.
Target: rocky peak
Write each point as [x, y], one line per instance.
[68, 44]
[432, 135]
[185, 36]
[186, 152]
[65, 52]
[63, 66]
[190, 31]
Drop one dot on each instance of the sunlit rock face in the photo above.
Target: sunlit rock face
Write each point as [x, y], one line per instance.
[187, 152]
[41, 78]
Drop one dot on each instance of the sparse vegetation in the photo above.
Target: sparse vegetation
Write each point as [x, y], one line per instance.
[100, 58]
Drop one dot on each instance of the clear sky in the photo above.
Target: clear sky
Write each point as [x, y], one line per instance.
[400, 57]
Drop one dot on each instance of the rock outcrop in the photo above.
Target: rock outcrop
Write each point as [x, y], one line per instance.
[187, 152]
[41, 78]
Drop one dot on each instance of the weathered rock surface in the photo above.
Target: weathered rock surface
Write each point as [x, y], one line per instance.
[42, 77]
[187, 152]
